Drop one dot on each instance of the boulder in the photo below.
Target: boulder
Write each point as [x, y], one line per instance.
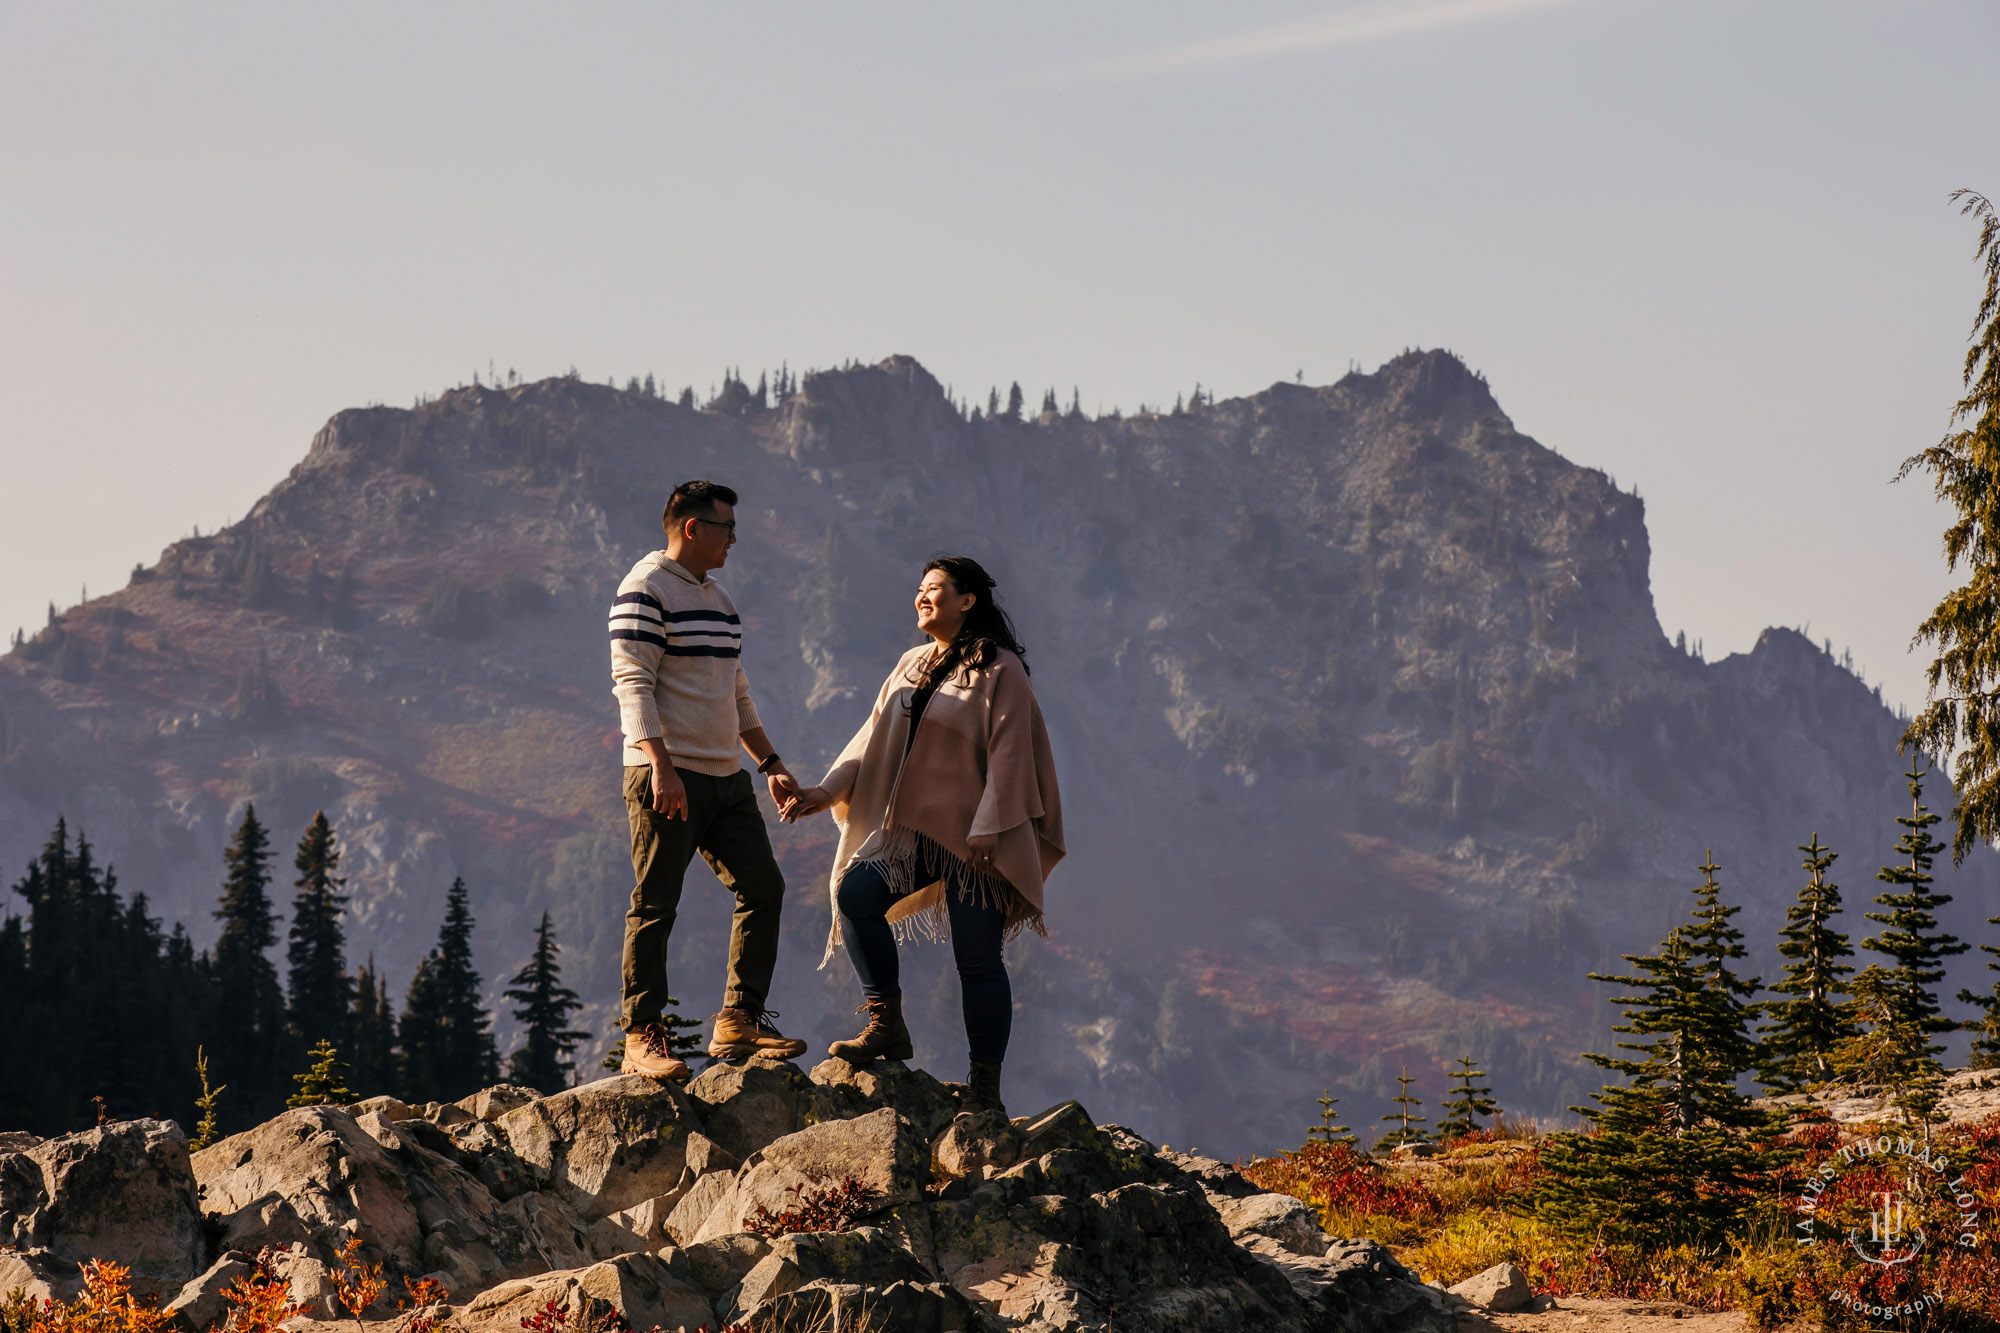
[496, 1101]
[719, 1264]
[17, 1140]
[123, 1192]
[641, 1290]
[1359, 1287]
[1501, 1288]
[882, 1150]
[863, 1262]
[1066, 1125]
[389, 1108]
[200, 1303]
[1215, 1178]
[713, 1196]
[608, 1145]
[976, 1144]
[878, 1083]
[748, 1105]
[38, 1275]
[316, 1175]
[310, 1282]
[1289, 1221]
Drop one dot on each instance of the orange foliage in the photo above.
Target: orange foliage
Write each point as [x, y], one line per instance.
[106, 1306]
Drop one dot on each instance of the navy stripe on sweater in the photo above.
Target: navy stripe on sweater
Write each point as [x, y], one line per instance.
[678, 649]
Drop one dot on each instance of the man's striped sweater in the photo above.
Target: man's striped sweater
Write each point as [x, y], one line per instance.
[677, 669]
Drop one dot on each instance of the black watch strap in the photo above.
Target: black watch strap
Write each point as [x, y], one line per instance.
[768, 762]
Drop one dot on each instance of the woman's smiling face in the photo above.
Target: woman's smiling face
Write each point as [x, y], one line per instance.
[941, 607]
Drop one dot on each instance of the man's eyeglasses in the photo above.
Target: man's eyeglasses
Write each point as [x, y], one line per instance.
[729, 523]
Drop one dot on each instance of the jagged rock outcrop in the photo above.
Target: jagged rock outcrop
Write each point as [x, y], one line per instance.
[123, 1193]
[620, 1198]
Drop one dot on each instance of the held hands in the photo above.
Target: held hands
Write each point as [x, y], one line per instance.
[783, 785]
[979, 850]
[804, 801]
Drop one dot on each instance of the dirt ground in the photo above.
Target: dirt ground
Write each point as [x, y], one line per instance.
[1608, 1316]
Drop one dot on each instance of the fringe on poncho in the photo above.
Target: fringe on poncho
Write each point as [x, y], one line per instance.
[980, 764]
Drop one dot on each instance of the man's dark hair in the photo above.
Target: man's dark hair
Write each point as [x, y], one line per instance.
[695, 499]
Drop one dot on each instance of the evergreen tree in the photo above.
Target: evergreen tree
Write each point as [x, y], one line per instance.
[247, 1026]
[1986, 1045]
[992, 414]
[1014, 401]
[373, 1025]
[320, 999]
[1329, 1129]
[1799, 1042]
[1405, 1116]
[1888, 1049]
[1962, 716]
[1911, 941]
[1049, 402]
[544, 1006]
[448, 1050]
[1674, 1155]
[1467, 1102]
[321, 1084]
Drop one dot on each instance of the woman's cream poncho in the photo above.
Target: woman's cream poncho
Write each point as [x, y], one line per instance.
[980, 764]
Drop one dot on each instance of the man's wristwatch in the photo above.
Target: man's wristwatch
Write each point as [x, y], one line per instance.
[768, 762]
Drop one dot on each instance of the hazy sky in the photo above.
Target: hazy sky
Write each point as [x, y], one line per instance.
[1703, 246]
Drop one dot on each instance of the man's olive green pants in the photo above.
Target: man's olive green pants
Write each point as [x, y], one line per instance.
[724, 824]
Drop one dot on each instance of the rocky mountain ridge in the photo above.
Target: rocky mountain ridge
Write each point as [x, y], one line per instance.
[1371, 742]
[681, 1208]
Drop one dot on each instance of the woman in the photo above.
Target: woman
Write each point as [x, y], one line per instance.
[949, 820]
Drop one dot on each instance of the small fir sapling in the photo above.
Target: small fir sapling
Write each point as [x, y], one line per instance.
[206, 1130]
[322, 1084]
[1329, 1129]
[1408, 1123]
[1464, 1104]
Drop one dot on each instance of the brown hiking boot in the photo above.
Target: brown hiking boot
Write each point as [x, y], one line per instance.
[741, 1032]
[647, 1053]
[885, 1037]
[982, 1088]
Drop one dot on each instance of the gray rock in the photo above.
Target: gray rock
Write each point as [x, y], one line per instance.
[124, 1193]
[640, 1289]
[879, 1083]
[1065, 1125]
[17, 1140]
[309, 1279]
[746, 1106]
[607, 1145]
[389, 1108]
[39, 1275]
[1214, 1177]
[1290, 1222]
[864, 1260]
[1500, 1289]
[200, 1304]
[882, 1150]
[719, 1264]
[496, 1101]
[707, 1210]
[316, 1175]
[1360, 1288]
[976, 1144]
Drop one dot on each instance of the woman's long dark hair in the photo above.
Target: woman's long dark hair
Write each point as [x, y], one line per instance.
[981, 635]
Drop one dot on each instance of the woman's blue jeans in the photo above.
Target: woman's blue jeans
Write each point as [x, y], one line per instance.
[864, 900]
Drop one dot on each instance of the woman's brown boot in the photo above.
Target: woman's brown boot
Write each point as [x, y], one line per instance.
[885, 1037]
[982, 1088]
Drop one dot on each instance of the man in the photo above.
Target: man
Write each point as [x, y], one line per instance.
[684, 705]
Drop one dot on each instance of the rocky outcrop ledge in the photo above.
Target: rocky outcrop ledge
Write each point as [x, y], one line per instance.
[654, 1201]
